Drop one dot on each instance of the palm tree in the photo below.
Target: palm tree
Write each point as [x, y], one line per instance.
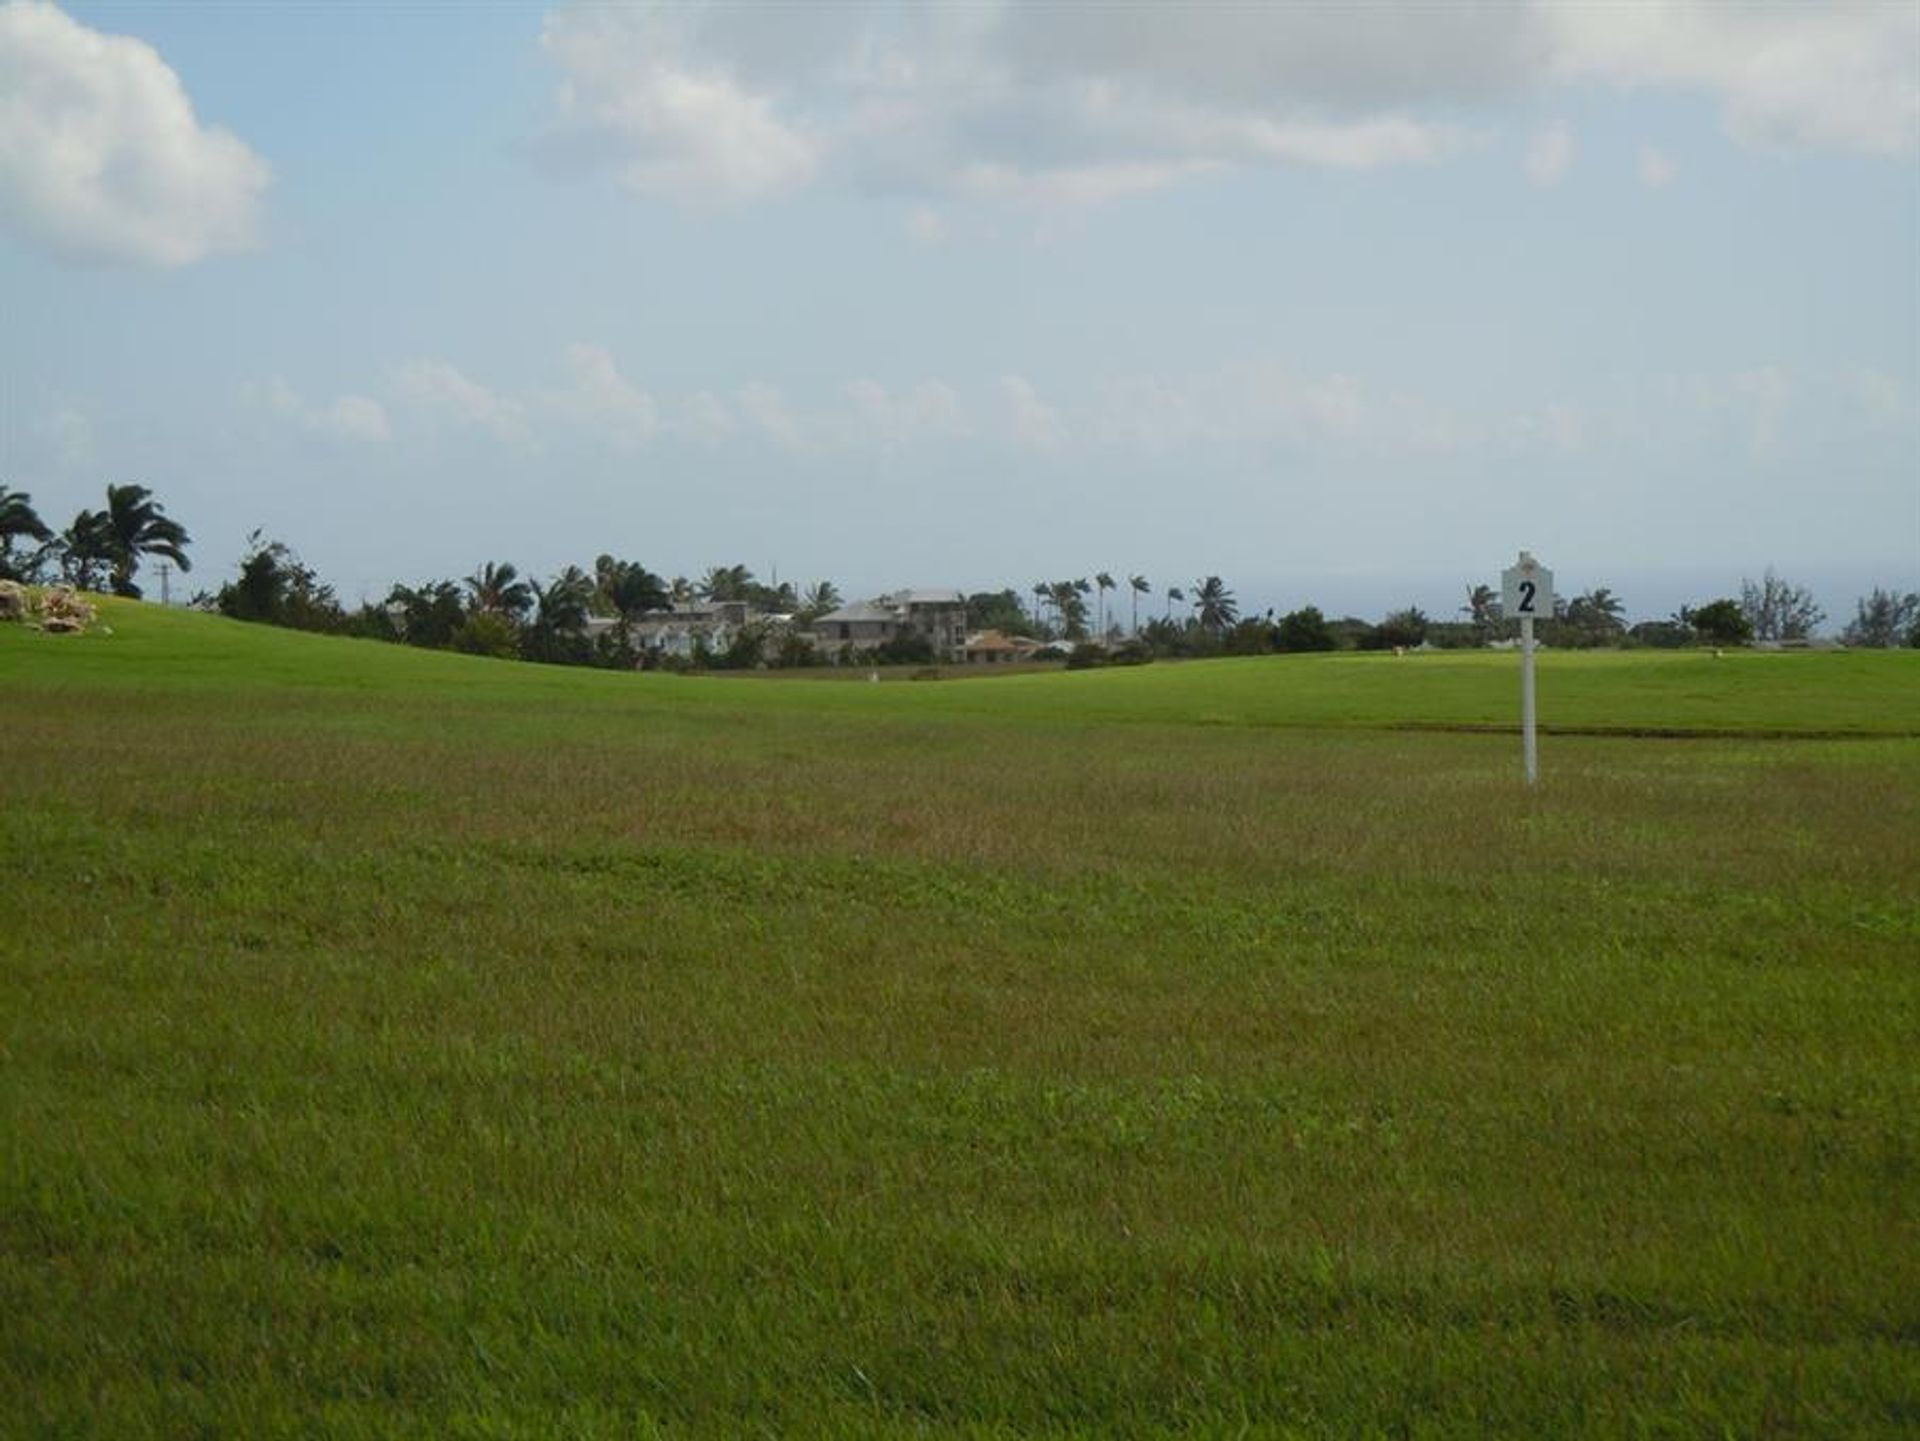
[558, 632]
[1106, 583]
[84, 550]
[1140, 588]
[1213, 604]
[1481, 600]
[17, 519]
[496, 588]
[821, 597]
[1042, 594]
[429, 613]
[132, 527]
[725, 582]
[562, 604]
[627, 587]
[1599, 609]
[1070, 605]
[1173, 593]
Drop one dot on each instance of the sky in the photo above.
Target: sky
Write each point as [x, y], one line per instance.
[1344, 303]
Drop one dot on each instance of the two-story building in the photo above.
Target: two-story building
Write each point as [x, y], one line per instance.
[681, 630]
[939, 615]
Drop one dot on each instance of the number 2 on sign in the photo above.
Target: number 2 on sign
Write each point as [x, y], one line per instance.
[1527, 592]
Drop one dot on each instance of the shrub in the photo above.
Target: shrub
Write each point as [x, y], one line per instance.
[1722, 622]
[1251, 637]
[1777, 609]
[276, 587]
[1305, 630]
[1660, 634]
[907, 648]
[1403, 628]
[796, 650]
[1086, 656]
[488, 633]
[1884, 619]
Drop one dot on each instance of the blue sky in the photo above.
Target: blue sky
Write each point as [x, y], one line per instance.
[1344, 304]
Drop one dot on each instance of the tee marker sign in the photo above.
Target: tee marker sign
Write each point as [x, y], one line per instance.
[1526, 591]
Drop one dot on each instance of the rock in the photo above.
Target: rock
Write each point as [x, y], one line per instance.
[65, 611]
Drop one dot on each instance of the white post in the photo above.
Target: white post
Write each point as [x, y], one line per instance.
[1530, 741]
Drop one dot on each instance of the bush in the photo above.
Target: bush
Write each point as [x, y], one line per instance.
[907, 648]
[1885, 619]
[276, 587]
[487, 633]
[613, 649]
[796, 650]
[1777, 609]
[1660, 634]
[1305, 630]
[1251, 637]
[746, 650]
[1406, 628]
[1086, 656]
[1722, 622]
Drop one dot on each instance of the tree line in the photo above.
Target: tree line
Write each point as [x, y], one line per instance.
[498, 611]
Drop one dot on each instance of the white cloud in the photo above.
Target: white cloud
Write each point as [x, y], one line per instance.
[1558, 426]
[1265, 403]
[867, 417]
[703, 416]
[101, 155]
[1002, 102]
[1071, 105]
[1657, 170]
[440, 389]
[1751, 404]
[1550, 155]
[1258, 407]
[1033, 423]
[926, 225]
[676, 128]
[348, 417]
[358, 417]
[767, 411]
[1842, 75]
[600, 396]
[1889, 403]
[882, 420]
[70, 435]
[1072, 186]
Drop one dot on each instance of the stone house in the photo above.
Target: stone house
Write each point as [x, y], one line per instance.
[939, 615]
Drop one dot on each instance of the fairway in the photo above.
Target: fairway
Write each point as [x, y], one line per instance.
[400, 1043]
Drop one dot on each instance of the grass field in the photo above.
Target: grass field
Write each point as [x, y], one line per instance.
[400, 1043]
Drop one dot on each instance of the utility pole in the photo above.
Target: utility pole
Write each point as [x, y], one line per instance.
[166, 591]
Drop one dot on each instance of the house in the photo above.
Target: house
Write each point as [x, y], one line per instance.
[938, 615]
[681, 630]
[993, 647]
[863, 625]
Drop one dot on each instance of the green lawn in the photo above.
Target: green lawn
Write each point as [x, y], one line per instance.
[400, 1043]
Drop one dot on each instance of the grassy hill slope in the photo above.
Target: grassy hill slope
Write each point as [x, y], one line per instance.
[1868, 692]
[396, 1043]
